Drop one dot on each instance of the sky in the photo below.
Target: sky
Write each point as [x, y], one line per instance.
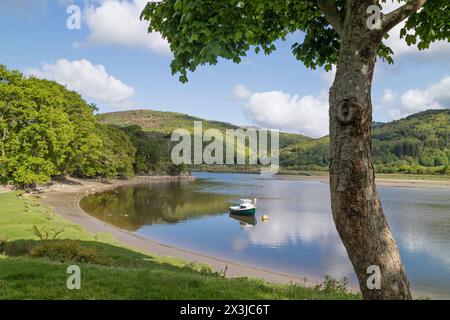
[112, 61]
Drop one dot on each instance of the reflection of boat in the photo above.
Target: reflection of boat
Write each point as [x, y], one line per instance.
[245, 208]
[244, 220]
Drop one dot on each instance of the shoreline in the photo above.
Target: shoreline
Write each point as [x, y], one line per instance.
[382, 179]
[380, 182]
[64, 200]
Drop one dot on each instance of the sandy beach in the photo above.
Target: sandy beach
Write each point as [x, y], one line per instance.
[381, 182]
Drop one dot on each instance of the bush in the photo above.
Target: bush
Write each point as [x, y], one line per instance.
[175, 170]
[332, 286]
[68, 250]
[15, 248]
[3, 242]
[446, 170]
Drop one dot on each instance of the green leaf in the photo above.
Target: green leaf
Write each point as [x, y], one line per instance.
[237, 36]
[178, 5]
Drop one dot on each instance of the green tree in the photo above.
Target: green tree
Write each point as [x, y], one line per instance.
[337, 32]
[35, 130]
[150, 149]
[117, 156]
[47, 130]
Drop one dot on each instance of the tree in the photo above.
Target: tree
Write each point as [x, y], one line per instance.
[337, 32]
[47, 130]
[35, 130]
[149, 149]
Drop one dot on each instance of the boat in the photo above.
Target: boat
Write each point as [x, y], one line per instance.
[245, 208]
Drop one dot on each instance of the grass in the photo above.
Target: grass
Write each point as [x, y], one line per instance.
[33, 268]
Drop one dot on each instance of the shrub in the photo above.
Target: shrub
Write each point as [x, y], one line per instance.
[68, 250]
[175, 170]
[200, 267]
[331, 285]
[3, 242]
[15, 248]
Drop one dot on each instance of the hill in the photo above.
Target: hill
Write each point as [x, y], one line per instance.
[159, 121]
[419, 143]
[165, 122]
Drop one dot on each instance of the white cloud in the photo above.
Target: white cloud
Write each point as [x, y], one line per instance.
[388, 97]
[241, 92]
[436, 96]
[278, 110]
[116, 22]
[91, 81]
[415, 100]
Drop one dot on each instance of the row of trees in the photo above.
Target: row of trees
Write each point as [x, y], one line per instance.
[47, 131]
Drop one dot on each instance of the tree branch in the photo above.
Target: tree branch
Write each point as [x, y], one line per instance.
[332, 15]
[395, 17]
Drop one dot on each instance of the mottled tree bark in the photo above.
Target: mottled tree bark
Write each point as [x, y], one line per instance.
[356, 207]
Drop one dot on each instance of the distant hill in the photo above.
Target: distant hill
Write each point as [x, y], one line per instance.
[165, 122]
[419, 143]
[415, 143]
[159, 121]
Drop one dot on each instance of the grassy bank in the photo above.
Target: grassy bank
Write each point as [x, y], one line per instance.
[33, 265]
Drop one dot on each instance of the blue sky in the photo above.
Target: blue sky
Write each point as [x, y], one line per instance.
[111, 61]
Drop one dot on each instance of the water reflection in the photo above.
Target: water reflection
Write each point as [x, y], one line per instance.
[131, 207]
[244, 221]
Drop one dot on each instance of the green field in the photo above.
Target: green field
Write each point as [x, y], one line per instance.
[32, 266]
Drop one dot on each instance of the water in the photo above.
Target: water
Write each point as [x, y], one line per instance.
[298, 238]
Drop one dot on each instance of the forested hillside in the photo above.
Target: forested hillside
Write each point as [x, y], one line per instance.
[419, 144]
[162, 124]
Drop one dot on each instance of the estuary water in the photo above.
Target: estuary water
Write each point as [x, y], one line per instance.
[299, 236]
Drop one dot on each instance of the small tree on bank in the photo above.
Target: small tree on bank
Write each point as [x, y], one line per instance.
[345, 33]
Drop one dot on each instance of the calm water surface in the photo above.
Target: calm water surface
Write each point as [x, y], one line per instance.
[299, 237]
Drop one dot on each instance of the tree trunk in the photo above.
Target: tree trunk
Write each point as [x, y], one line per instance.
[356, 208]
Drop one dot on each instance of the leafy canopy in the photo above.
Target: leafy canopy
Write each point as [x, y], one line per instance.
[47, 130]
[201, 31]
